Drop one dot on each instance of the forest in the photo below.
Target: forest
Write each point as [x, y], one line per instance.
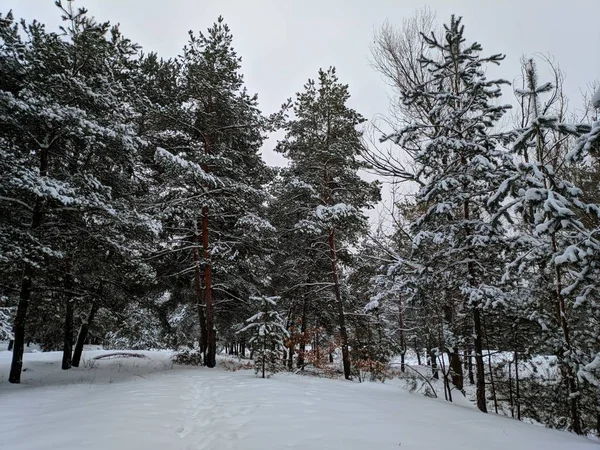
[137, 212]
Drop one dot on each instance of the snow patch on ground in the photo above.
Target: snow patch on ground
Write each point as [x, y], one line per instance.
[147, 403]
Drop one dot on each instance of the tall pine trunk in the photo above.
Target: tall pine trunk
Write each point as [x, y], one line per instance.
[82, 335]
[340, 305]
[211, 341]
[199, 301]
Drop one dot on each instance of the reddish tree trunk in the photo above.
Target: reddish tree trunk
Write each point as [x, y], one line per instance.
[211, 341]
[199, 302]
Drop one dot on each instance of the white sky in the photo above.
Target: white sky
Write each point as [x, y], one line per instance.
[284, 42]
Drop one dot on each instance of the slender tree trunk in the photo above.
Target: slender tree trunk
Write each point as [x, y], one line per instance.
[478, 344]
[264, 343]
[567, 370]
[492, 384]
[598, 414]
[401, 330]
[211, 349]
[418, 352]
[243, 347]
[303, 327]
[82, 335]
[68, 335]
[340, 305]
[316, 346]
[11, 344]
[517, 387]
[19, 327]
[511, 401]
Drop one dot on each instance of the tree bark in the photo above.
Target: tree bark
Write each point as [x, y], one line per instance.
[340, 305]
[567, 370]
[456, 369]
[199, 302]
[478, 344]
[418, 352]
[492, 383]
[19, 327]
[68, 335]
[82, 335]
[211, 341]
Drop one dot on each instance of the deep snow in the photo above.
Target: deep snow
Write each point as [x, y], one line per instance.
[149, 404]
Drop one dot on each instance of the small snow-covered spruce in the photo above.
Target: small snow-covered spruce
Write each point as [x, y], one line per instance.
[268, 334]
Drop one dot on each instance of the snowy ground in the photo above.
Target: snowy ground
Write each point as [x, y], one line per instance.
[149, 404]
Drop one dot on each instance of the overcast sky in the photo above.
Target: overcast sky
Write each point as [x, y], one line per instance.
[283, 43]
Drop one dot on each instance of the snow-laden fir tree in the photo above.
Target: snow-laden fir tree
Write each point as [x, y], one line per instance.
[323, 145]
[459, 165]
[268, 333]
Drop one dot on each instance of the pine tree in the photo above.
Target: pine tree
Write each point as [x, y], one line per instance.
[460, 166]
[268, 333]
[71, 149]
[553, 238]
[323, 146]
[212, 185]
